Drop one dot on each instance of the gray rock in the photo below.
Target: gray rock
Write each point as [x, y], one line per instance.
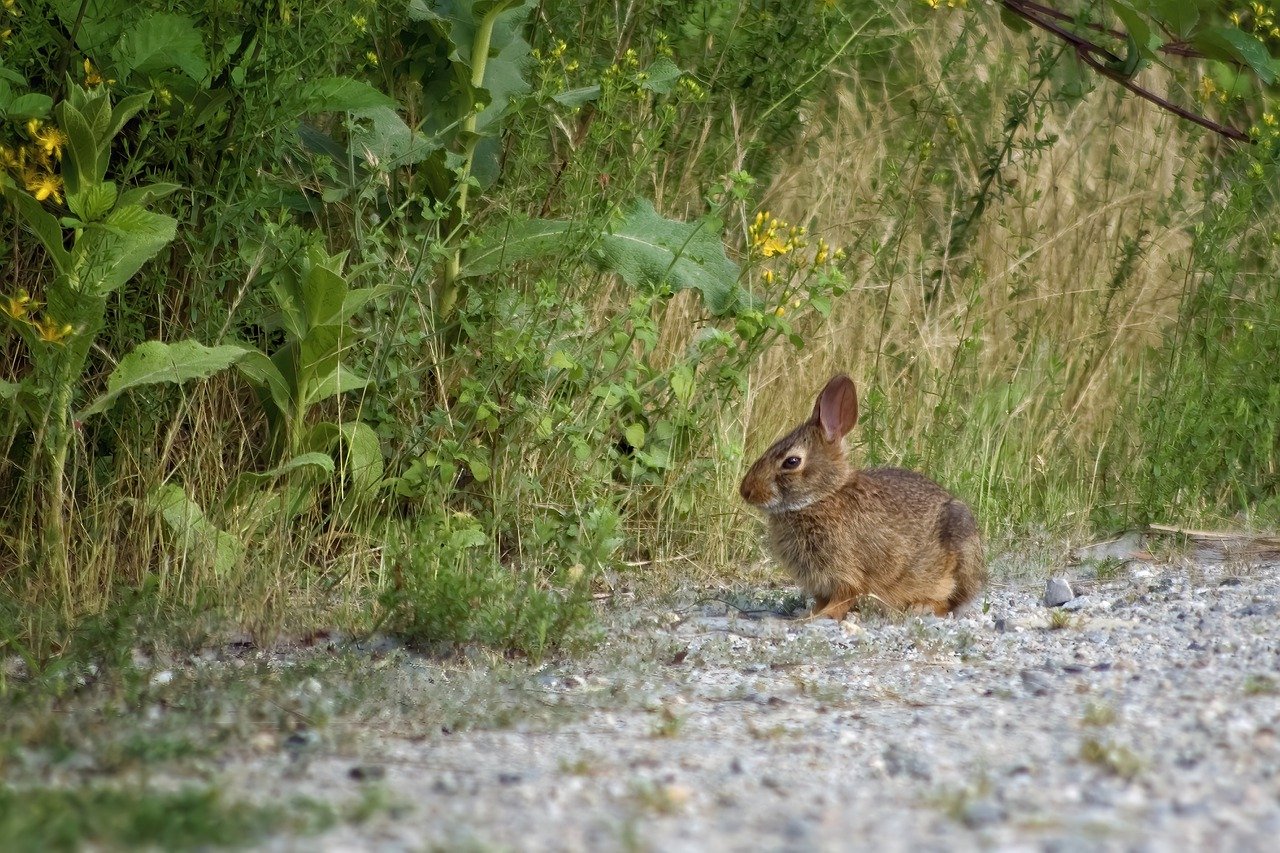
[900, 760]
[980, 813]
[1057, 592]
[1080, 602]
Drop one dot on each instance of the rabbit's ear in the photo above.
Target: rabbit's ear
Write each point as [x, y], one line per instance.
[836, 409]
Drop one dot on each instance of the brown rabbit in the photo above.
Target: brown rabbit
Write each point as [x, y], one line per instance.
[843, 534]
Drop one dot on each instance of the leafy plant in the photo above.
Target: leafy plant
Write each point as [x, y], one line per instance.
[112, 234]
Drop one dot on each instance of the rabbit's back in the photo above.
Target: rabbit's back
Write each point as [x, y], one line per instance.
[889, 532]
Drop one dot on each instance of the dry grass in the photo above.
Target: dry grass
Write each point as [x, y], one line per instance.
[1011, 377]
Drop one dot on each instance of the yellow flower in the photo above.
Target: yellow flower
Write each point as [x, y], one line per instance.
[373, 58]
[49, 139]
[360, 22]
[10, 158]
[780, 310]
[1207, 88]
[44, 185]
[17, 306]
[767, 276]
[50, 331]
[91, 75]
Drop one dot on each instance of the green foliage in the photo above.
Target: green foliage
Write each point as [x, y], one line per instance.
[38, 819]
[1211, 425]
[449, 587]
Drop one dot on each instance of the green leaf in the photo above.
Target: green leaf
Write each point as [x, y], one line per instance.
[1181, 16]
[9, 390]
[111, 252]
[142, 196]
[94, 203]
[43, 224]
[359, 452]
[342, 94]
[243, 488]
[661, 76]
[81, 161]
[30, 105]
[385, 142]
[124, 111]
[647, 250]
[634, 435]
[335, 382]
[511, 242]
[263, 373]
[577, 97]
[155, 362]
[197, 536]
[1232, 45]
[160, 42]
[682, 383]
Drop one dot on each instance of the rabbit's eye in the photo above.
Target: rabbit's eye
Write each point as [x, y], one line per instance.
[791, 463]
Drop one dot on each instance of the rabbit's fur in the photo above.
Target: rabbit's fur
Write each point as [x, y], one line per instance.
[844, 533]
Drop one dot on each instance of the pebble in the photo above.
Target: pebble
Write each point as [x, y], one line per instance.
[1057, 591]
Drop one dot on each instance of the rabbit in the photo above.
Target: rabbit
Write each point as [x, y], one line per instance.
[844, 533]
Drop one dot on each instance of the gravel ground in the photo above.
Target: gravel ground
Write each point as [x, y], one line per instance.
[1142, 714]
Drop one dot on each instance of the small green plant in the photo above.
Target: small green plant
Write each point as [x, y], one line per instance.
[1260, 685]
[1098, 715]
[668, 724]
[448, 586]
[1115, 759]
[1109, 568]
[1060, 620]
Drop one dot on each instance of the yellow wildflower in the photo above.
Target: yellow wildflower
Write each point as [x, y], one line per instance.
[50, 331]
[360, 21]
[17, 306]
[10, 158]
[1207, 87]
[767, 276]
[48, 138]
[44, 185]
[92, 77]
[780, 310]
[373, 58]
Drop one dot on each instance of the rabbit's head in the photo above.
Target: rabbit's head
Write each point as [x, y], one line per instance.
[807, 464]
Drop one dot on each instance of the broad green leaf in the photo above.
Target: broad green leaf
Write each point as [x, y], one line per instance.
[9, 390]
[342, 94]
[263, 373]
[197, 536]
[30, 105]
[383, 141]
[80, 162]
[357, 299]
[1180, 15]
[511, 242]
[247, 488]
[335, 382]
[143, 196]
[154, 362]
[109, 253]
[43, 224]
[577, 97]
[647, 249]
[363, 456]
[124, 111]
[1232, 45]
[1143, 41]
[160, 42]
[682, 383]
[634, 435]
[94, 203]
[661, 76]
[358, 451]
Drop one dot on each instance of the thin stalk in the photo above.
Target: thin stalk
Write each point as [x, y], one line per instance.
[451, 288]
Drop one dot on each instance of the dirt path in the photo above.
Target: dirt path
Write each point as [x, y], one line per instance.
[1143, 716]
